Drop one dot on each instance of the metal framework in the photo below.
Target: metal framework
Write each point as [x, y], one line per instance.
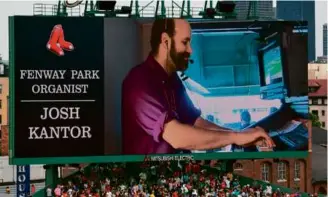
[89, 8]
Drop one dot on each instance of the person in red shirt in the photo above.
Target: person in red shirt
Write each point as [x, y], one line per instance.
[157, 114]
[201, 178]
[223, 185]
[32, 189]
[177, 174]
[96, 195]
[84, 179]
[82, 194]
[175, 194]
[195, 168]
[188, 168]
[213, 183]
[64, 194]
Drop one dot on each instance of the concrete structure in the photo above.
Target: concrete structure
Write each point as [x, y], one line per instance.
[317, 71]
[325, 37]
[319, 158]
[8, 172]
[264, 9]
[13, 189]
[275, 12]
[4, 107]
[4, 140]
[322, 60]
[300, 11]
[4, 93]
[318, 99]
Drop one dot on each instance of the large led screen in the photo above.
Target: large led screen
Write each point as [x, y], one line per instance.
[123, 89]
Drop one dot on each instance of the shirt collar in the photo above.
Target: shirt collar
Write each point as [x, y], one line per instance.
[157, 69]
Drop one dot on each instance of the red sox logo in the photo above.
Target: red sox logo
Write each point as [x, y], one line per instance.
[57, 43]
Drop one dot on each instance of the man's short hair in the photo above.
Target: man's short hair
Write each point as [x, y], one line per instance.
[159, 27]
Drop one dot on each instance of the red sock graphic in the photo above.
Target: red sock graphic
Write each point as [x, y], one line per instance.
[52, 44]
[63, 43]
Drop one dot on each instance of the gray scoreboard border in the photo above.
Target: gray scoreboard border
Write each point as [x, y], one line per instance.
[115, 158]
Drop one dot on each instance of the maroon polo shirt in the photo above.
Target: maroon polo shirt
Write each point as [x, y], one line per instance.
[150, 99]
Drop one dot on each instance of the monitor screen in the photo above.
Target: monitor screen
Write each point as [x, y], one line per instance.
[272, 66]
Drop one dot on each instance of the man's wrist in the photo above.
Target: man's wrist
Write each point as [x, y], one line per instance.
[235, 136]
[254, 133]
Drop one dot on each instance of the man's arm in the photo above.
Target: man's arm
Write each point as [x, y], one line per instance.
[183, 136]
[205, 124]
[158, 121]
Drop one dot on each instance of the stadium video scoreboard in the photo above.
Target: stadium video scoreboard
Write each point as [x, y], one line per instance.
[66, 90]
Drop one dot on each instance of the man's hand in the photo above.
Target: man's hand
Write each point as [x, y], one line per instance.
[252, 136]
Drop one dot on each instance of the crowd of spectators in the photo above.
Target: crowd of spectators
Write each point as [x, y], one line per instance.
[164, 179]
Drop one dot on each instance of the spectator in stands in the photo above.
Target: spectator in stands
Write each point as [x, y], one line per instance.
[227, 182]
[268, 190]
[7, 190]
[32, 189]
[49, 192]
[168, 183]
[58, 191]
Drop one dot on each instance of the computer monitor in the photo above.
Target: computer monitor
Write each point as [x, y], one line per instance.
[272, 63]
[271, 69]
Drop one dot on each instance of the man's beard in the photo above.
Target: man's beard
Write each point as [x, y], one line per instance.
[178, 60]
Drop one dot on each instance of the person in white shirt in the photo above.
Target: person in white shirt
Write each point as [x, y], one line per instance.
[177, 181]
[103, 187]
[70, 192]
[49, 192]
[258, 193]
[194, 193]
[123, 187]
[109, 194]
[184, 189]
[208, 181]
[268, 190]
[227, 181]
[143, 176]
[107, 181]
[153, 170]
[163, 181]
[171, 186]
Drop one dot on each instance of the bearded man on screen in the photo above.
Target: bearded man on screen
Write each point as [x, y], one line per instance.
[157, 114]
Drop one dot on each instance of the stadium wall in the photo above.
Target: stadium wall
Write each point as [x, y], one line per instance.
[252, 168]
